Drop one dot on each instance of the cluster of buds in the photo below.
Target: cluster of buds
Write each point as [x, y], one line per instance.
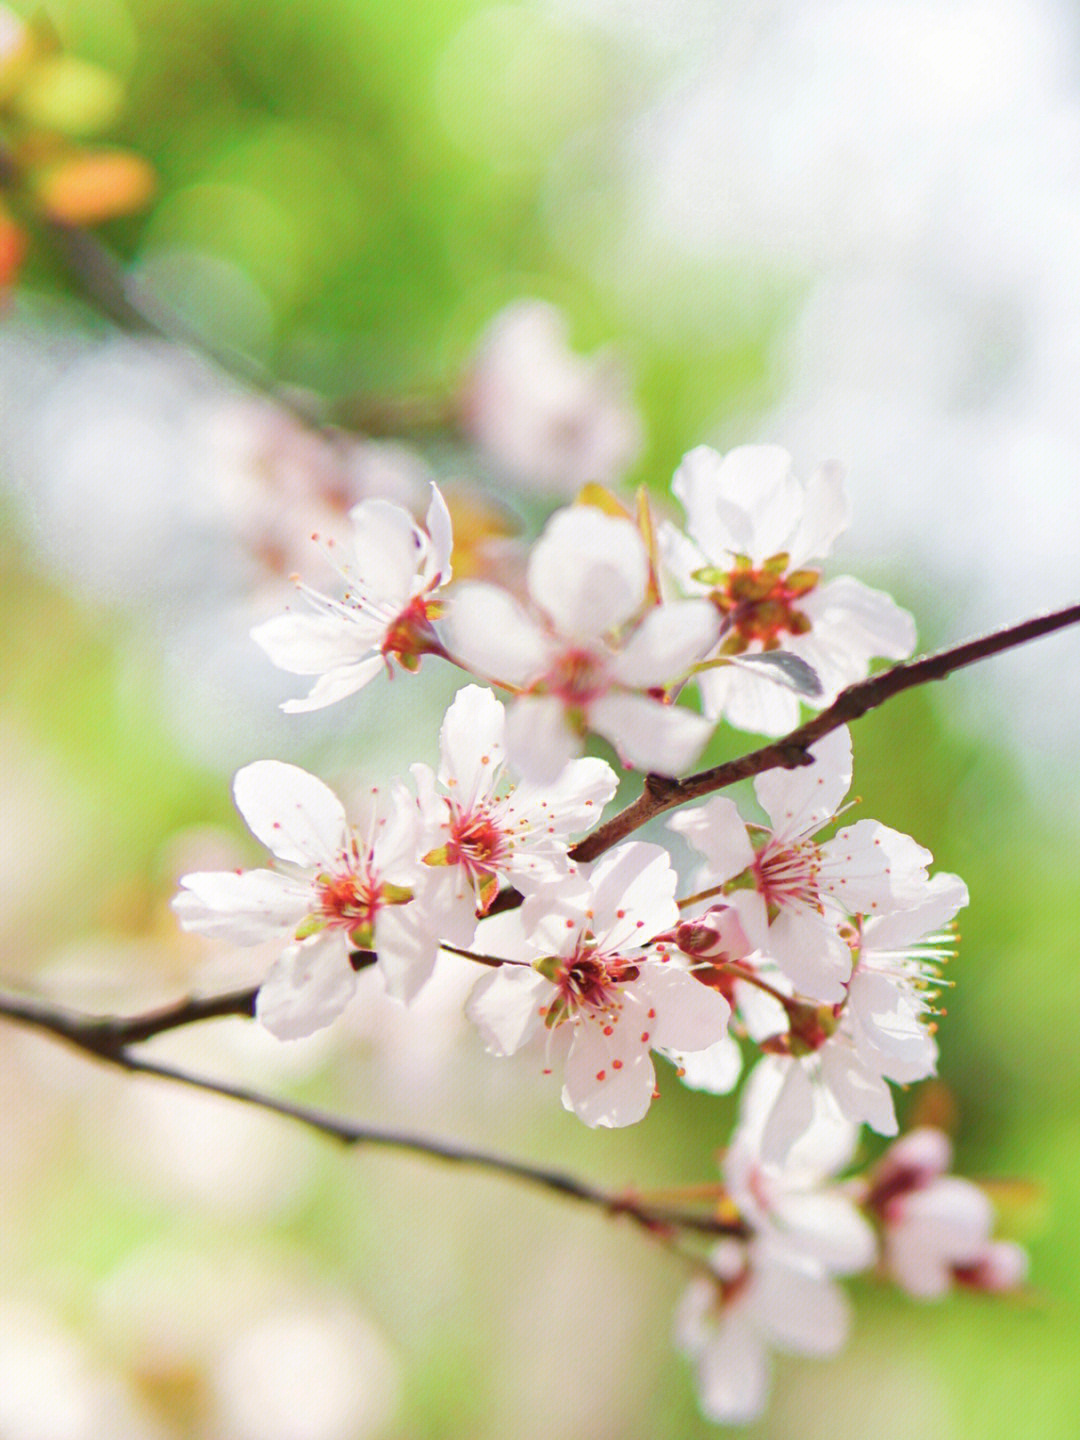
[814, 951]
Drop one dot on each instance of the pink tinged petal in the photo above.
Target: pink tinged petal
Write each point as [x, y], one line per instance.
[440, 532]
[336, 685]
[1002, 1266]
[387, 546]
[944, 896]
[666, 643]
[922, 1272]
[717, 831]
[296, 816]
[490, 633]
[867, 622]
[715, 1070]
[312, 644]
[471, 744]
[589, 572]
[748, 701]
[307, 988]
[633, 895]
[863, 1096]
[825, 516]
[800, 1309]
[539, 741]
[733, 1372]
[406, 945]
[828, 1228]
[798, 802]
[792, 1109]
[649, 735]
[505, 1006]
[689, 1016]
[609, 1080]
[809, 952]
[247, 909]
[952, 1216]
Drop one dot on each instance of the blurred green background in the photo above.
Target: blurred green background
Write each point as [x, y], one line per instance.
[348, 194]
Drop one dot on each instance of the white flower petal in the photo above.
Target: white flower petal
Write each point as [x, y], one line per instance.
[828, 1228]
[666, 643]
[799, 801]
[247, 909]
[869, 621]
[336, 685]
[588, 571]
[490, 633]
[715, 1070]
[505, 1006]
[733, 1373]
[649, 735]
[471, 745]
[689, 1016]
[609, 1081]
[312, 644]
[539, 741]
[748, 701]
[387, 546]
[295, 815]
[825, 515]
[570, 803]
[800, 1310]
[944, 895]
[633, 895]
[307, 988]
[718, 831]
[440, 532]
[406, 944]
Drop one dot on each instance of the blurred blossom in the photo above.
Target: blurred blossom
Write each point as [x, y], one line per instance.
[53, 1388]
[551, 419]
[260, 1349]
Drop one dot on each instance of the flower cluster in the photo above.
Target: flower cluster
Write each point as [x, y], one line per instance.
[812, 949]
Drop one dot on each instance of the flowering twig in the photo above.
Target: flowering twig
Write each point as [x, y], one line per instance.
[792, 750]
[111, 1038]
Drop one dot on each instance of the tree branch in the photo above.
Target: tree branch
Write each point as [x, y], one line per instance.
[792, 750]
[109, 1038]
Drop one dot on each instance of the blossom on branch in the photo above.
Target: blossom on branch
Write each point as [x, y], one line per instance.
[479, 828]
[340, 888]
[595, 982]
[587, 658]
[386, 611]
[794, 893]
[754, 530]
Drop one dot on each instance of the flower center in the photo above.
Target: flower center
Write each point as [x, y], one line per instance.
[576, 677]
[591, 982]
[412, 634]
[787, 874]
[760, 605]
[475, 842]
[348, 899]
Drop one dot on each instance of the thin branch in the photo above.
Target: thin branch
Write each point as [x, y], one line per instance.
[109, 1039]
[792, 751]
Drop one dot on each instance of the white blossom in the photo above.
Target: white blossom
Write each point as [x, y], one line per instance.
[585, 660]
[792, 892]
[387, 609]
[338, 888]
[480, 827]
[595, 981]
[754, 528]
[551, 420]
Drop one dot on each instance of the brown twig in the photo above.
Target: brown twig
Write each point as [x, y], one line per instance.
[792, 751]
[110, 1038]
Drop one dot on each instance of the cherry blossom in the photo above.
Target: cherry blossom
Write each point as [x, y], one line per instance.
[585, 661]
[339, 888]
[756, 1299]
[552, 420]
[594, 980]
[386, 612]
[792, 892]
[483, 828]
[754, 529]
[937, 1227]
